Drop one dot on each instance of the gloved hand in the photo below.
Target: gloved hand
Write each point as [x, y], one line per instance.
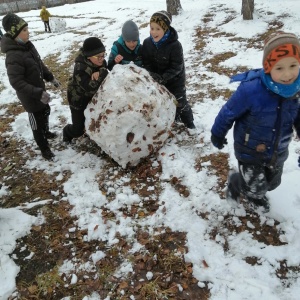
[218, 142]
[55, 82]
[158, 78]
[299, 161]
[45, 98]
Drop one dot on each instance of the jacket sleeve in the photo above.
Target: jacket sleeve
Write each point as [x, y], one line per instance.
[16, 74]
[48, 76]
[112, 56]
[234, 109]
[83, 75]
[297, 123]
[146, 50]
[176, 62]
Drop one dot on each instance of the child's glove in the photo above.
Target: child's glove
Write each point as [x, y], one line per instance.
[55, 82]
[218, 142]
[45, 98]
[157, 78]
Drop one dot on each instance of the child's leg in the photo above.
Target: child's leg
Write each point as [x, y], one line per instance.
[48, 133]
[38, 122]
[234, 186]
[48, 26]
[45, 24]
[254, 183]
[76, 129]
[184, 110]
[274, 177]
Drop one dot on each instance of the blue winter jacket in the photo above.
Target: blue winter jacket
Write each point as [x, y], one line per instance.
[263, 121]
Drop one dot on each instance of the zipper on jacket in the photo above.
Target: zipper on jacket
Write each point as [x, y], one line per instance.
[247, 135]
[278, 132]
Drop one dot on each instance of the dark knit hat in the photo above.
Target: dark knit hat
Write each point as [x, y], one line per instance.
[92, 46]
[163, 19]
[130, 31]
[280, 45]
[13, 24]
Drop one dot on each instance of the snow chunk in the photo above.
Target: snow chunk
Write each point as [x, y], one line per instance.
[131, 115]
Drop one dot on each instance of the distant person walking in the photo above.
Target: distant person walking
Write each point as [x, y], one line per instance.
[45, 15]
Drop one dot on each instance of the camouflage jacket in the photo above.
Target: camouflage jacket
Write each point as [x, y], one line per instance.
[81, 88]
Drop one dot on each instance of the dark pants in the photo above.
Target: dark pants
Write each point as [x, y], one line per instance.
[253, 181]
[183, 110]
[76, 129]
[47, 26]
[39, 123]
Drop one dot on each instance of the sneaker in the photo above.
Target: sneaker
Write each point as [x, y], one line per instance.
[50, 135]
[47, 154]
[264, 202]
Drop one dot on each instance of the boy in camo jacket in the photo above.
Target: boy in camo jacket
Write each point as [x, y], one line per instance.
[89, 71]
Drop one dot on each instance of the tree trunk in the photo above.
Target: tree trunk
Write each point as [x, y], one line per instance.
[174, 7]
[247, 9]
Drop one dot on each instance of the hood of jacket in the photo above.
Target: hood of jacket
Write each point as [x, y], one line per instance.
[8, 44]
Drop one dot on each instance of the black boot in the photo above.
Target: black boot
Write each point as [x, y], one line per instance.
[264, 202]
[190, 125]
[234, 187]
[50, 135]
[47, 153]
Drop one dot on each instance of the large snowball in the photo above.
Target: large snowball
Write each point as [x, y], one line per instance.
[131, 115]
[57, 24]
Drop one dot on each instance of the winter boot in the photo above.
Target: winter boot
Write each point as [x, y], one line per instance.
[67, 140]
[264, 202]
[50, 135]
[190, 125]
[47, 154]
[234, 187]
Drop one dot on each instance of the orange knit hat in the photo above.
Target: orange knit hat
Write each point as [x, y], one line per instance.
[278, 46]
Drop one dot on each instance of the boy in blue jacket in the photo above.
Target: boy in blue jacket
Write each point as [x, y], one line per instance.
[264, 109]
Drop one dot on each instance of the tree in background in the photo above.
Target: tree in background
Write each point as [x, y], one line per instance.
[174, 7]
[247, 9]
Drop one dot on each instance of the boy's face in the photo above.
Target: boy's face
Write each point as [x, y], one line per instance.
[285, 71]
[97, 59]
[131, 44]
[24, 35]
[156, 32]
